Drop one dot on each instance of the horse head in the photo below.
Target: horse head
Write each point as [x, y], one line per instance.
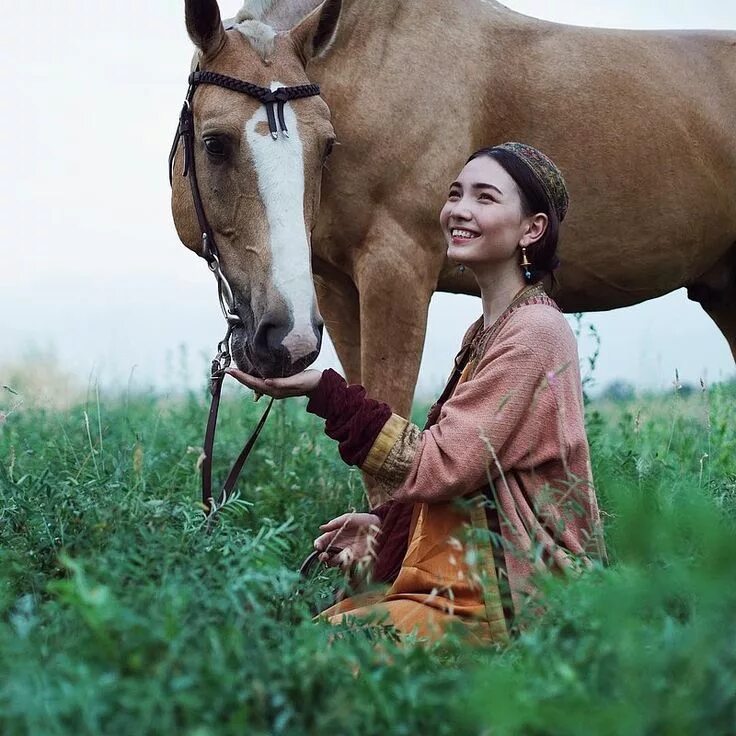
[260, 192]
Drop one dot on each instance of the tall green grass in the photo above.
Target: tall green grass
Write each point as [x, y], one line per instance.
[119, 614]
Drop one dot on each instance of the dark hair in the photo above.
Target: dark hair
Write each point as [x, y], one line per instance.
[543, 253]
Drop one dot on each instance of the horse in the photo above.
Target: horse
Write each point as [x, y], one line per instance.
[338, 222]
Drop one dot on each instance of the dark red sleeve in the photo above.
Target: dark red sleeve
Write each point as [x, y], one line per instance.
[382, 511]
[393, 539]
[350, 416]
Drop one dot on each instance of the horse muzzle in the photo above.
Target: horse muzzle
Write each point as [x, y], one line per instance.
[276, 349]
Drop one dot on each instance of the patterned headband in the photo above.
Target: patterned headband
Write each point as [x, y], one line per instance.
[545, 171]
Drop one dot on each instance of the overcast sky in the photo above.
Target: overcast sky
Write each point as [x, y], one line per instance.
[91, 268]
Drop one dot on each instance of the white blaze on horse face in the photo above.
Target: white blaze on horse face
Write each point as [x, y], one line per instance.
[280, 170]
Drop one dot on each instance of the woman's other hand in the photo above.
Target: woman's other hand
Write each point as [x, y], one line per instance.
[353, 533]
[301, 384]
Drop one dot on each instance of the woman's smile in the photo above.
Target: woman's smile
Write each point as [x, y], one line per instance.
[460, 235]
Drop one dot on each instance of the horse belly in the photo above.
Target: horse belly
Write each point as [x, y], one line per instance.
[643, 126]
[650, 162]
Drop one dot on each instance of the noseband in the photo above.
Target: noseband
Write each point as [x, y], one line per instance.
[185, 131]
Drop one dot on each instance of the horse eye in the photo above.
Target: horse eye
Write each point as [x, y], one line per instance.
[214, 146]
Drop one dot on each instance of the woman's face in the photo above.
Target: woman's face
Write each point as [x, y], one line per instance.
[482, 219]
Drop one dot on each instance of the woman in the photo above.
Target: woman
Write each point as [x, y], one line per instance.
[498, 485]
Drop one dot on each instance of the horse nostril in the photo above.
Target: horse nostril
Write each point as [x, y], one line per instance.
[281, 349]
[269, 338]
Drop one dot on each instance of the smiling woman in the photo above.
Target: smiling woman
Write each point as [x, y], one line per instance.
[535, 188]
[497, 488]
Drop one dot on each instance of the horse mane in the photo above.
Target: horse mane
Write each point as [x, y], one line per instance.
[260, 20]
[280, 15]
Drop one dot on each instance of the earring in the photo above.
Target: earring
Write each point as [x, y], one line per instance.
[525, 263]
[461, 268]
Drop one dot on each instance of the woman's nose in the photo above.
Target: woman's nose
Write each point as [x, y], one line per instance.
[460, 210]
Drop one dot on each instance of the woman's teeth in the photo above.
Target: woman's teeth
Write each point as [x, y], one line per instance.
[465, 234]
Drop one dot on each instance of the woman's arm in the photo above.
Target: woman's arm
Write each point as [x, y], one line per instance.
[504, 410]
[479, 428]
[351, 418]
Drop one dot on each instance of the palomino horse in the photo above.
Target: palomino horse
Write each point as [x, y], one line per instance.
[643, 124]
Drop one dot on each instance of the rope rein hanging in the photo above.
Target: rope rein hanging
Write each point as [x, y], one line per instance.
[185, 130]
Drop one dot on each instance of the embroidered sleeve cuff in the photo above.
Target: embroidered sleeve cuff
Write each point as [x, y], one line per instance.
[393, 452]
[386, 439]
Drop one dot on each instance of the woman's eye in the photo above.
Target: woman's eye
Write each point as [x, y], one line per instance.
[486, 197]
[454, 194]
[214, 146]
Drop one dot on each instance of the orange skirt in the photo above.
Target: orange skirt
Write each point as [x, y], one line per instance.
[445, 580]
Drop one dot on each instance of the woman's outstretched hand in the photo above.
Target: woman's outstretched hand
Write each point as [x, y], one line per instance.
[301, 384]
[354, 534]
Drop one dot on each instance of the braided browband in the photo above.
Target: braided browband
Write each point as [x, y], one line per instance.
[269, 98]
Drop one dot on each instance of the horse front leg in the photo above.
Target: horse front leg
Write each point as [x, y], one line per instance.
[395, 280]
[339, 306]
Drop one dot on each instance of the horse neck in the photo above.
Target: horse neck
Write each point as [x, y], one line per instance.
[400, 17]
[384, 35]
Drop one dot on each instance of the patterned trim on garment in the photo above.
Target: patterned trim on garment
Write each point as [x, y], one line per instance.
[490, 587]
[534, 294]
[387, 437]
[392, 454]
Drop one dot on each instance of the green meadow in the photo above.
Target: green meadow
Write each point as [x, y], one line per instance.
[121, 614]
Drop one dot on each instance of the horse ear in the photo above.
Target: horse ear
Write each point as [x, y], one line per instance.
[204, 25]
[314, 35]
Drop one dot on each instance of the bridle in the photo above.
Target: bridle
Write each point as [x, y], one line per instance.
[185, 131]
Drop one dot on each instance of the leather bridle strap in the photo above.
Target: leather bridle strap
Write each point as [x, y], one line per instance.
[185, 130]
[208, 500]
[278, 97]
[268, 97]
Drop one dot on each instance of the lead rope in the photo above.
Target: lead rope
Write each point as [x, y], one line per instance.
[219, 365]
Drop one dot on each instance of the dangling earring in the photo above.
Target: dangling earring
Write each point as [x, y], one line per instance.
[525, 263]
[461, 268]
